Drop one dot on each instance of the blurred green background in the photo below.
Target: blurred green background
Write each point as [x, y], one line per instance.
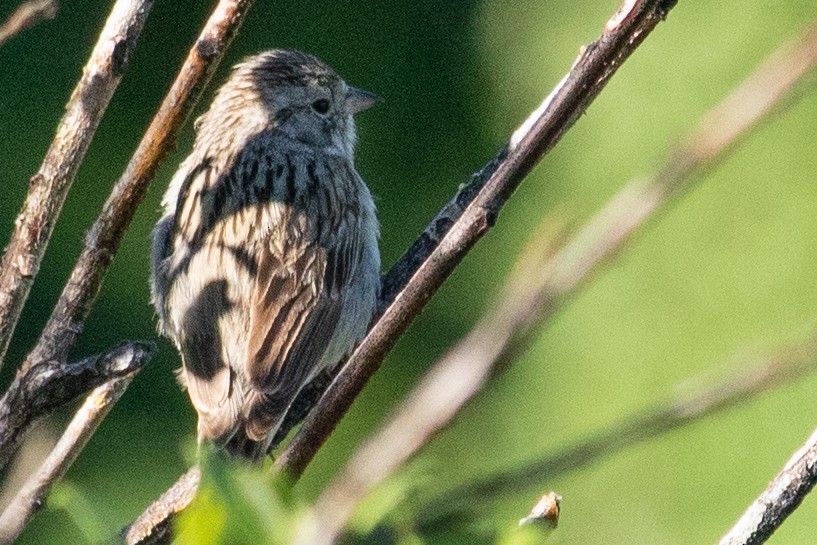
[729, 268]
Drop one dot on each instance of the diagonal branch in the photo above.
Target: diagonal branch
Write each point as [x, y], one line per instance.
[31, 497]
[102, 241]
[434, 402]
[49, 187]
[536, 293]
[40, 390]
[750, 379]
[417, 276]
[27, 15]
[783, 495]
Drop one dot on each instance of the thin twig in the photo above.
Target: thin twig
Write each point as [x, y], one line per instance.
[783, 495]
[537, 292]
[32, 496]
[154, 526]
[461, 223]
[458, 232]
[39, 390]
[750, 379]
[26, 16]
[49, 187]
[102, 241]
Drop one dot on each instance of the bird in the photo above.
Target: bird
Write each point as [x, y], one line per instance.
[265, 264]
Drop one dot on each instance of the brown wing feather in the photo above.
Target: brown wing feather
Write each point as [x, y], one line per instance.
[292, 320]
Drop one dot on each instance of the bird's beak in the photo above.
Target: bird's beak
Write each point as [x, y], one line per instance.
[358, 100]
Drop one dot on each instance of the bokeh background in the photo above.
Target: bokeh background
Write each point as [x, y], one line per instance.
[728, 269]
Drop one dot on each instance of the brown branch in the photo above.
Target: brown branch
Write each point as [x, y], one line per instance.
[26, 16]
[417, 276]
[434, 402]
[154, 526]
[41, 389]
[750, 379]
[102, 241]
[538, 290]
[32, 496]
[783, 495]
[49, 187]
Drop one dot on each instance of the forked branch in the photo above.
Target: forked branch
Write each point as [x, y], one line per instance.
[40, 390]
[102, 241]
[31, 497]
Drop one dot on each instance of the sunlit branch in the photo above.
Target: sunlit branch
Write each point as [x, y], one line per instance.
[49, 187]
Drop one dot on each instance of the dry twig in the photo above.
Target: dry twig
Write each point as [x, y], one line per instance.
[33, 494]
[102, 241]
[39, 390]
[26, 16]
[783, 495]
[49, 187]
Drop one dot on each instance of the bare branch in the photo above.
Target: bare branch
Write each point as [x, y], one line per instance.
[750, 379]
[417, 276]
[27, 15]
[154, 526]
[102, 241]
[434, 402]
[37, 391]
[49, 187]
[538, 290]
[779, 500]
[33, 494]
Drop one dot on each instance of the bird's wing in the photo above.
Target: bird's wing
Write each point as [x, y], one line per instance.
[294, 311]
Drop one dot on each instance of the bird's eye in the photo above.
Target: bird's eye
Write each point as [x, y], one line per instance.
[321, 106]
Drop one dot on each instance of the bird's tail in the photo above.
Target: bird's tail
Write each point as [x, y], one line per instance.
[253, 435]
[240, 445]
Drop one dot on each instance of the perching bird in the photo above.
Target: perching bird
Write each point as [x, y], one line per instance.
[265, 264]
